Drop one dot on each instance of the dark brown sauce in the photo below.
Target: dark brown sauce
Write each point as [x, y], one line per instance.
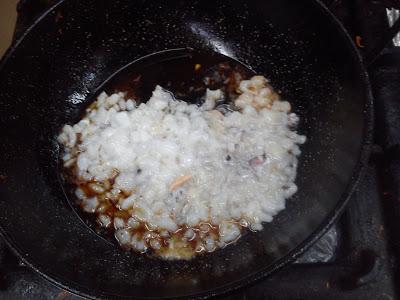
[111, 209]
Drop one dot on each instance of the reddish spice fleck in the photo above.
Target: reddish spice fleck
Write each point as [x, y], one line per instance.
[359, 42]
[136, 79]
[62, 295]
[387, 194]
[59, 17]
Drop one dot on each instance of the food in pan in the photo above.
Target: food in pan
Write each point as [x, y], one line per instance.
[178, 179]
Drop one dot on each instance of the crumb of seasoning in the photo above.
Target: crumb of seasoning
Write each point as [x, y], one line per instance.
[359, 42]
[137, 78]
[59, 17]
[197, 67]
[62, 295]
[381, 232]
[179, 182]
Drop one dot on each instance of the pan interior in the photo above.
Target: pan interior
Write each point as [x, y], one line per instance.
[49, 78]
[186, 73]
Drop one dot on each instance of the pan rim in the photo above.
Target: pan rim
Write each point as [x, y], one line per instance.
[357, 174]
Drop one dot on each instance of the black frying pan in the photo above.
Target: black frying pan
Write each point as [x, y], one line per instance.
[49, 76]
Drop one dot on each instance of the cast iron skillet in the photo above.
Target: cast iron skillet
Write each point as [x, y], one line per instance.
[46, 81]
